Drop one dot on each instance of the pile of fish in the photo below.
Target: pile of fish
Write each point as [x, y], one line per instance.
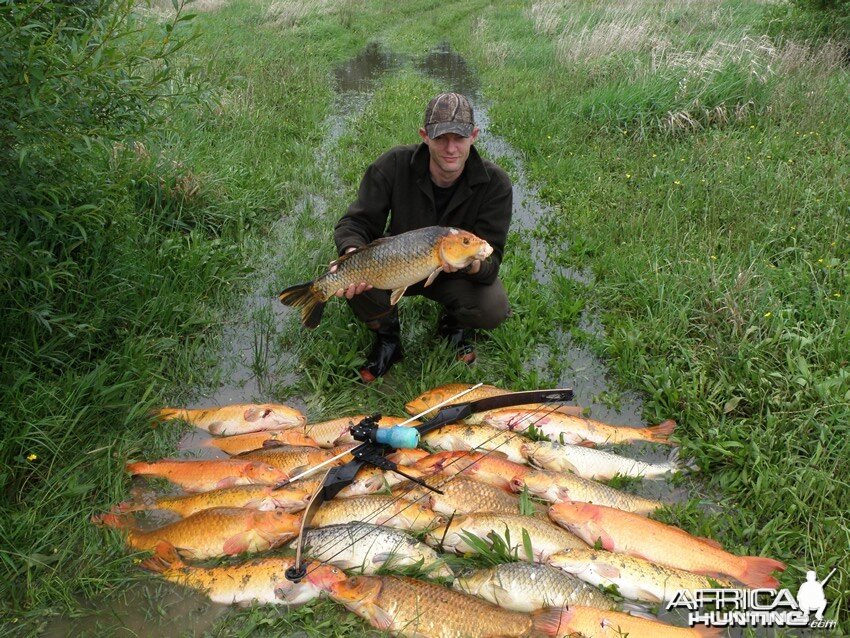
[522, 487]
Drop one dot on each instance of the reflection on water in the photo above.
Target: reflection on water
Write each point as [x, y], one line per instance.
[360, 73]
[451, 71]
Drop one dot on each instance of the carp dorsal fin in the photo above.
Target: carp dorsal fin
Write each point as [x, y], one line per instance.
[397, 294]
[433, 276]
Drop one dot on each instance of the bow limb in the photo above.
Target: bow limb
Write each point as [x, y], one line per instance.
[461, 411]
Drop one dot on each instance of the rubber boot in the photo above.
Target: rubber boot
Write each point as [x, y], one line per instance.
[459, 338]
[386, 350]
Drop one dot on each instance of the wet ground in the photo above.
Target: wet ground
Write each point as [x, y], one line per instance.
[250, 367]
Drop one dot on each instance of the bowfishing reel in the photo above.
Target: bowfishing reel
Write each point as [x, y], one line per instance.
[398, 437]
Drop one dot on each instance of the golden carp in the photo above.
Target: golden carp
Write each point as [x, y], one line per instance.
[367, 548]
[390, 263]
[565, 428]
[492, 468]
[416, 609]
[560, 486]
[261, 580]
[259, 497]
[465, 496]
[408, 456]
[439, 394]
[635, 535]
[546, 538]
[240, 443]
[378, 510]
[239, 418]
[203, 476]
[530, 586]
[219, 531]
[635, 578]
[599, 623]
[297, 459]
[595, 464]
[460, 437]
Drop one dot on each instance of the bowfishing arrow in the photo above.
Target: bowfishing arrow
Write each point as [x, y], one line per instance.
[377, 442]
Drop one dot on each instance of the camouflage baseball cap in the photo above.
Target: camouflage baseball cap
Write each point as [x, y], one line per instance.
[449, 113]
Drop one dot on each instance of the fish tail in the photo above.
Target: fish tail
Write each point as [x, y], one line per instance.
[675, 461]
[113, 520]
[169, 414]
[758, 571]
[125, 507]
[139, 467]
[660, 433]
[308, 300]
[165, 557]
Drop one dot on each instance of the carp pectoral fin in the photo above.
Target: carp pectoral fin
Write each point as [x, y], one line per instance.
[238, 544]
[433, 276]
[397, 294]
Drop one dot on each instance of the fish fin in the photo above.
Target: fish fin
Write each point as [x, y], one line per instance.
[586, 443]
[678, 465]
[115, 521]
[169, 414]
[382, 557]
[217, 428]
[397, 294]
[131, 506]
[380, 618]
[607, 571]
[272, 443]
[168, 553]
[230, 481]
[359, 249]
[570, 410]
[139, 467]
[305, 297]
[432, 277]
[660, 433]
[551, 622]
[638, 610]
[758, 569]
[238, 543]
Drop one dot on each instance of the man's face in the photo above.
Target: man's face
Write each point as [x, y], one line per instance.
[449, 152]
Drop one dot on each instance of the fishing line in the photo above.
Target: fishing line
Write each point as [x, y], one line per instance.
[449, 478]
[514, 434]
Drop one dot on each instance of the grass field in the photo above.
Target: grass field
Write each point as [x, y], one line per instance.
[696, 166]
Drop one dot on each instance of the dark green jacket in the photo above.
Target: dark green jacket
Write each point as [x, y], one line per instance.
[397, 186]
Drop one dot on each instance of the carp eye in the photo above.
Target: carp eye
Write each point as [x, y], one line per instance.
[466, 240]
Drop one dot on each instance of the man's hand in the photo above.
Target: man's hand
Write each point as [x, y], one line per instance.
[353, 289]
[473, 267]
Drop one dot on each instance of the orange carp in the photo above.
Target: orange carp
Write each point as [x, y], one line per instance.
[239, 443]
[626, 533]
[576, 430]
[215, 532]
[260, 580]
[492, 468]
[203, 476]
[598, 623]
[294, 460]
[390, 263]
[239, 418]
[293, 498]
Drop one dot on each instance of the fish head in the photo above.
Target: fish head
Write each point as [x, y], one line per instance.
[407, 456]
[574, 561]
[323, 576]
[276, 526]
[417, 516]
[475, 583]
[434, 463]
[290, 500]
[539, 453]
[447, 535]
[582, 519]
[270, 416]
[459, 248]
[264, 474]
[356, 590]
[434, 396]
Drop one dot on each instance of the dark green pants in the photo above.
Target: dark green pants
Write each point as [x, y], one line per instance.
[473, 305]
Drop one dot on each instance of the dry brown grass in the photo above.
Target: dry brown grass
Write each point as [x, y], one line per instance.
[290, 13]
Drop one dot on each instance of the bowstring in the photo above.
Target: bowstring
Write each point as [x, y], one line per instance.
[514, 432]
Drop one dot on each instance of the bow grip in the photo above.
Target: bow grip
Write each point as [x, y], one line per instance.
[398, 437]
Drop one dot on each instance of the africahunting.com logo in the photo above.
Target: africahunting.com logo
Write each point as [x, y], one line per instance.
[757, 607]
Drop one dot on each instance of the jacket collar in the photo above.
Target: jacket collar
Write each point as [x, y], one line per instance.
[474, 172]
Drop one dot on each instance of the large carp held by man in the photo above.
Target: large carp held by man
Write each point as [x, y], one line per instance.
[390, 263]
